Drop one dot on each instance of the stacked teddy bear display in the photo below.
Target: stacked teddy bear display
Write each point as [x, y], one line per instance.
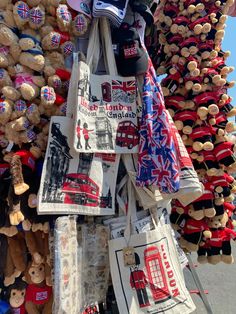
[36, 47]
[188, 51]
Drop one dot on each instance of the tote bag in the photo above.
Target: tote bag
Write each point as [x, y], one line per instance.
[73, 183]
[105, 117]
[152, 281]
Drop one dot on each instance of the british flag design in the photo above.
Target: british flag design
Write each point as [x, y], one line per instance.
[123, 91]
[64, 13]
[68, 48]
[2, 107]
[20, 105]
[157, 163]
[23, 10]
[36, 16]
[55, 40]
[47, 94]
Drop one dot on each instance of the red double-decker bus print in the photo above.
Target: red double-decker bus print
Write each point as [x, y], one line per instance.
[156, 275]
[127, 134]
[81, 190]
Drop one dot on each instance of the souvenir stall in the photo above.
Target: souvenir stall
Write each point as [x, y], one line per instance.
[116, 158]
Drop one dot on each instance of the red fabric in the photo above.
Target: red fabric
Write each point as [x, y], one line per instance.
[186, 115]
[27, 158]
[138, 279]
[208, 155]
[223, 150]
[78, 130]
[38, 295]
[207, 194]
[86, 133]
[220, 235]
[193, 226]
[18, 310]
[200, 131]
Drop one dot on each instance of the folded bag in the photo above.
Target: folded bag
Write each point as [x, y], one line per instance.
[146, 272]
[105, 114]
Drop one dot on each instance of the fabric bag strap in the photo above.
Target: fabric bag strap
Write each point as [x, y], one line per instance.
[98, 40]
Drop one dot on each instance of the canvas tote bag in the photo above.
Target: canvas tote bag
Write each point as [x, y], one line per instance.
[145, 270]
[73, 183]
[105, 118]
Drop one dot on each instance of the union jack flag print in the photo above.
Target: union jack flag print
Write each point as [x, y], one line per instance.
[64, 13]
[23, 10]
[55, 40]
[157, 162]
[123, 91]
[36, 16]
[20, 105]
[2, 107]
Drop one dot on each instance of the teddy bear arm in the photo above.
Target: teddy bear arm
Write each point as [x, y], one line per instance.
[16, 248]
[31, 307]
[47, 309]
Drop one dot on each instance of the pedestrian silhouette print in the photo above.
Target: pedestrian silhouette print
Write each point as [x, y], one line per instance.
[79, 130]
[86, 135]
[138, 281]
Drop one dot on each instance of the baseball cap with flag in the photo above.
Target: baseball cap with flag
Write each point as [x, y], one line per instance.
[131, 56]
[82, 6]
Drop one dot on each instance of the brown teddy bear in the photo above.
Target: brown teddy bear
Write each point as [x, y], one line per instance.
[39, 297]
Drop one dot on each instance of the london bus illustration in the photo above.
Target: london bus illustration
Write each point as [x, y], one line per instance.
[80, 189]
[127, 134]
[156, 275]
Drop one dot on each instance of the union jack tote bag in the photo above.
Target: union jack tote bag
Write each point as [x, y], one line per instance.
[157, 162]
[105, 118]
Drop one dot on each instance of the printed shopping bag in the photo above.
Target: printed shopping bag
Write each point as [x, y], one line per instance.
[157, 164]
[68, 296]
[105, 118]
[146, 273]
[74, 183]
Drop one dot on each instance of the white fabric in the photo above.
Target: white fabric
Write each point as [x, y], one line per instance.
[159, 271]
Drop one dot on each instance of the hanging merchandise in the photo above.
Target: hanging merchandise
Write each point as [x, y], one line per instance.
[81, 265]
[187, 48]
[112, 9]
[68, 274]
[75, 183]
[105, 117]
[157, 163]
[141, 264]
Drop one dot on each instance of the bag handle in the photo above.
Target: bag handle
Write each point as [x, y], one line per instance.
[93, 51]
[94, 47]
[105, 33]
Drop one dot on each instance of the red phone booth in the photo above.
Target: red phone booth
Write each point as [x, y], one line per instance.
[106, 92]
[156, 274]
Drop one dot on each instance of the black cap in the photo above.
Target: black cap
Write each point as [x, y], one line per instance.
[131, 57]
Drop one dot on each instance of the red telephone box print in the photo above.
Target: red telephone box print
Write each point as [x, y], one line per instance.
[106, 92]
[156, 274]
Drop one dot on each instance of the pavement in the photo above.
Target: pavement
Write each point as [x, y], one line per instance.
[220, 281]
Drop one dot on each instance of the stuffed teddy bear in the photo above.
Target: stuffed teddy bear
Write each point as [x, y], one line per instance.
[203, 206]
[26, 82]
[32, 54]
[15, 296]
[224, 151]
[39, 297]
[185, 120]
[202, 137]
[16, 258]
[220, 248]
[192, 234]
[38, 246]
